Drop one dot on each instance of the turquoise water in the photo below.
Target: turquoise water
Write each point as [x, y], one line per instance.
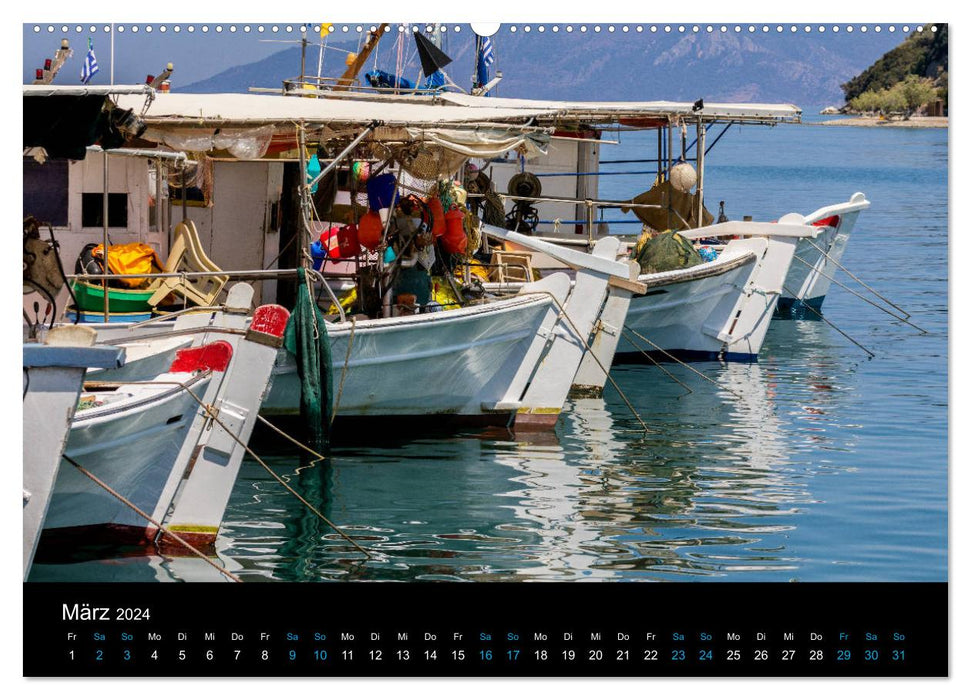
[815, 464]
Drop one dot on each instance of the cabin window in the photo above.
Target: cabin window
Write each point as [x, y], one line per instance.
[45, 190]
[92, 210]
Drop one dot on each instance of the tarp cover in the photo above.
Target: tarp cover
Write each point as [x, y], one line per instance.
[665, 195]
[484, 143]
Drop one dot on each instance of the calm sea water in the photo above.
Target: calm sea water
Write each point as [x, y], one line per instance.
[815, 464]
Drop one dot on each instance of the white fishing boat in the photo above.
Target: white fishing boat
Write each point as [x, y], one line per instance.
[171, 446]
[128, 437]
[719, 309]
[817, 261]
[472, 364]
[53, 374]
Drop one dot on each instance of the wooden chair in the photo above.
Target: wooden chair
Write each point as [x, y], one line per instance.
[187, 255]
[512, 266]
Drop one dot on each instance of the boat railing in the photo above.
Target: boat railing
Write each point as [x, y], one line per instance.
[593, 206]
[317, 278]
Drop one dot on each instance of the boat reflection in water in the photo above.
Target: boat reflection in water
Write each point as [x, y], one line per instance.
[716, 491]
[719, 489]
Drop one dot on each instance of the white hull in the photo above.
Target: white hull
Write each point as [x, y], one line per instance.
[455, 363]
[52, 384]
[686, 317]
[132, 446]
[810, 276]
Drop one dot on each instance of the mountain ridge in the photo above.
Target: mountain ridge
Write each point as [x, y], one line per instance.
[764, 67]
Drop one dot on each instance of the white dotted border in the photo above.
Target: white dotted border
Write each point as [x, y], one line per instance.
[526, 28]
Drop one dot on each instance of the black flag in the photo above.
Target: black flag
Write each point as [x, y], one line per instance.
[432, 57]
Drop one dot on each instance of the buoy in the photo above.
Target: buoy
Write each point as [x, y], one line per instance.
[381, 191]
[437, 224]
[347, 241]
[683, 177]
[370, 231]
[454, 240]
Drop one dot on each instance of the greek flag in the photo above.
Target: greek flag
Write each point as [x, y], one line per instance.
[488, 57]
[90, 66]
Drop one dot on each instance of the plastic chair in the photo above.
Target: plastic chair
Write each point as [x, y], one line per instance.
[187, 255]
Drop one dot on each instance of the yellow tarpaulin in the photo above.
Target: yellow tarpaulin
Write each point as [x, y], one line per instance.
[130, 259]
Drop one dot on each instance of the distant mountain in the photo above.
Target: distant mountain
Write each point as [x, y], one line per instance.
[803, 68]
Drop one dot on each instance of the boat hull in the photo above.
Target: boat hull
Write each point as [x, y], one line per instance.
[52, 383]
[453, 364]
[132, 448]
[811, 273]
[677, 318]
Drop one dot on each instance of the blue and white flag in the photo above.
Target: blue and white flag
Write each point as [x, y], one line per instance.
[488, 57]
[90, 66]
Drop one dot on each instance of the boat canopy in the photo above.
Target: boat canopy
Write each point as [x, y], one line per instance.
[240, 109]
[600, 113]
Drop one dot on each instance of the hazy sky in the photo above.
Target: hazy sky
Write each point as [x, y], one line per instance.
[196, 54]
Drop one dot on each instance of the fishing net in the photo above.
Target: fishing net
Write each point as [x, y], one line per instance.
[666, 251]
[306, 339]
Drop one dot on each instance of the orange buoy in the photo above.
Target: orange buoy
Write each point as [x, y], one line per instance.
[454, 240]
[438, 216]
[370, 230]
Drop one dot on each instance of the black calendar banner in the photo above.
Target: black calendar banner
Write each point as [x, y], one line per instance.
[448, 629]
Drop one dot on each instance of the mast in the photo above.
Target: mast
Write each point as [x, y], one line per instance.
[350, 74]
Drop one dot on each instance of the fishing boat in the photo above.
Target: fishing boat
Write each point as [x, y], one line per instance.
[165, 453]
[473, 364]
[53, 374]
[561, 198]
[816, 261]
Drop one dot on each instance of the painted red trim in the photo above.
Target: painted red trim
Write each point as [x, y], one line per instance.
[270, 319]
[214, 356]
[107, 540]
[833, 221]
[534, 421]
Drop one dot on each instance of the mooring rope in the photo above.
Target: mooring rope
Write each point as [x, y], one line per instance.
[347, 360]
[830, 323]
[317, 456]
[682, 363]
[209, 411]
[860, 296]
[150, 519]
[586, 345]
[655, 362]
[857, 279]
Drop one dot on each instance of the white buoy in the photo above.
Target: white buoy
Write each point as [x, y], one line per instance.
[683, 177]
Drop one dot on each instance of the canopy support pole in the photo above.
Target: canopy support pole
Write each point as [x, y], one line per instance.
[700, 150]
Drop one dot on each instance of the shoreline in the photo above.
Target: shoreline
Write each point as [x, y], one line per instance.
[912, 123]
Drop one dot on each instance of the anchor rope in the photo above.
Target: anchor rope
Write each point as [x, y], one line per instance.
[856, 279]
[152, 520]
[831, 324]
[215, 418]
[860, 296]
[586, 345]
[683, 363]
[655, 362]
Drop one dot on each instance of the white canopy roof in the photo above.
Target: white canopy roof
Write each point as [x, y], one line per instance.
[232, 109]
[595, 112]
